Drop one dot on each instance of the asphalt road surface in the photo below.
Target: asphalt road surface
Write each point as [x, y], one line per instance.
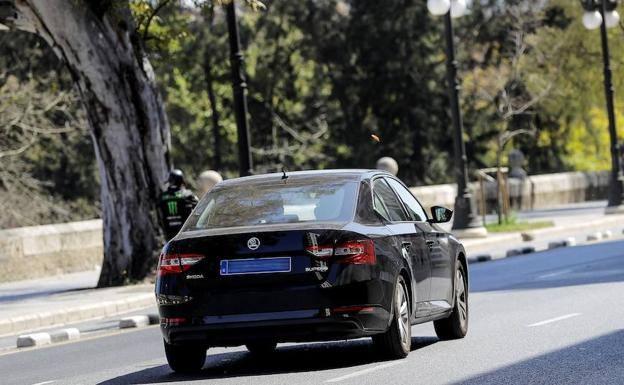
[554, 317]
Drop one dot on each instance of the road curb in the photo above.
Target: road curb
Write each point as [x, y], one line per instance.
[34, 339]
[29, 322]
[480, 258]
[67, 334]
[520, 251]
[597, 236]
[476, 246]
[138, 321]
[41, 339]
[568, 242]
[610, 221]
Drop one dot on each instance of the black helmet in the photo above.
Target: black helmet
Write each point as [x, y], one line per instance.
[176, 178]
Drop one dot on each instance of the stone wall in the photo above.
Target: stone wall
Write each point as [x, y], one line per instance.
[31, 252]
[537, 191]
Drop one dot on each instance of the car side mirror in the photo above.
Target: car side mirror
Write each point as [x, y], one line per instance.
[440, 214]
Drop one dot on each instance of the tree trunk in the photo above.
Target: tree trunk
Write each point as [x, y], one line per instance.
[129, 128]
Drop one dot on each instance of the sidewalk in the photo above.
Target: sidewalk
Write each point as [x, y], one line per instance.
[55, 301]
[575, 220]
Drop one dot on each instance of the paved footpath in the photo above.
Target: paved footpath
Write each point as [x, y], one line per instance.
[577, 221]
[56, 301]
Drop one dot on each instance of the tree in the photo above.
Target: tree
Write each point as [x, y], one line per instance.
[98, 43]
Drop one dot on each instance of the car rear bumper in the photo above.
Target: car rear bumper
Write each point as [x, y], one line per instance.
[291, 326]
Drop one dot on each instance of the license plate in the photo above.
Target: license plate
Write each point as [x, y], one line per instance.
[255, 266]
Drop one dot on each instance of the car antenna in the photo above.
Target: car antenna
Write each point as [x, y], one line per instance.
[284, 176]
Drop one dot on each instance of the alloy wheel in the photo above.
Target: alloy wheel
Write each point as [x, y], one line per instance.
[403, 318]
[461, 297]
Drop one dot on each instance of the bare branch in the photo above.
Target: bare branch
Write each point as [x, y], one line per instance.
[151, 17]
[19, 150]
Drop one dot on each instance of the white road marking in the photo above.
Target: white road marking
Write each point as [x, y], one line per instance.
[365, 371]
[555, 274]
[548, 321]
[44, 382]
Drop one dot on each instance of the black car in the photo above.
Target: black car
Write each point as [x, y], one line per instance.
[309, 256]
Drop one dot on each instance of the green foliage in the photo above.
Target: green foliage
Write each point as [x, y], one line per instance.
[513, 225]
[323, 76]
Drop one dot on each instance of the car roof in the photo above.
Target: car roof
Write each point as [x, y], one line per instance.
[303, 176]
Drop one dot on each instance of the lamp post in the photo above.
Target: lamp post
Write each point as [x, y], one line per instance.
[603, 14]
[465, 223]
[239, 86]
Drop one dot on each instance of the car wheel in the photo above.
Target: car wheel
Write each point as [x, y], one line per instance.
[185, 358]
[261, 348]
[456, 325]
[396, 342]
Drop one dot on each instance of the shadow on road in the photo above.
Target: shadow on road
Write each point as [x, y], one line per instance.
[596, 361]
[288, 359]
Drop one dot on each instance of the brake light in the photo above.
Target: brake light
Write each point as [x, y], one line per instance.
[177, 263]
[360, 252]
[173, 321]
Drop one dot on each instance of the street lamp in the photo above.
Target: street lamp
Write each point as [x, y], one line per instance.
[466, 223]
[597, 11]
[239, 86]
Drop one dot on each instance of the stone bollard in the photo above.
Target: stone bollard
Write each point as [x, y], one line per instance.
[388, 164]
[207, 180]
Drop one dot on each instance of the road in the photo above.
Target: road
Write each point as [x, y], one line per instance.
[554, 317]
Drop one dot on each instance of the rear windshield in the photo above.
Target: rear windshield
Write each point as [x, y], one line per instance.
[259, 204]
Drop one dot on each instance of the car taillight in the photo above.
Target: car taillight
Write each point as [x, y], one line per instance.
[173, 321]
[360, 252]
[177, 263]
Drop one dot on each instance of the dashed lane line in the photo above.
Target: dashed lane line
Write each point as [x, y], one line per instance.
[365, 371]
[554, 274]
[556, 319]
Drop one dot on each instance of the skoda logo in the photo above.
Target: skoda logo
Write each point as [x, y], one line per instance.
[253, 243]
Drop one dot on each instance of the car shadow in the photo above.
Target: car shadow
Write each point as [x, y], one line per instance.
[287, 359]
[594, 361]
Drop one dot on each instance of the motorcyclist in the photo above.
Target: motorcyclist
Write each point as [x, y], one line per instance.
[176, 204]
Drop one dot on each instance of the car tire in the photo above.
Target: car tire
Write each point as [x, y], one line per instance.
[261, 348]
[396, 342]
[185, 358]
[455, 326]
